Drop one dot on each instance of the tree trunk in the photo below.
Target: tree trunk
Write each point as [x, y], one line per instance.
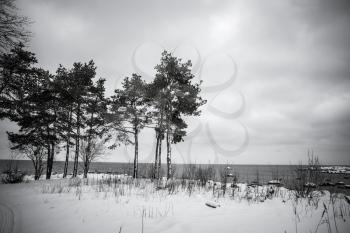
[86, 168]
[160, 158]
[159, 143]
[37, 175]
[155, 171]
[52, 157]
[48, 173]
[67, 146]
[88, 155]
[67, 160]
[77, 138]
[136, 162]
[51, 153]
[168, 156]
[76, 156]
[37, 167]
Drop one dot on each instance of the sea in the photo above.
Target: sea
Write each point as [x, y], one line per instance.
[244, 173]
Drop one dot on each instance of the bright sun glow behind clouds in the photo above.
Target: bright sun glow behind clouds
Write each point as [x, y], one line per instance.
[223, 28]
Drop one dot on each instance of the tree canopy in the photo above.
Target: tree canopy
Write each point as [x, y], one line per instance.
[69, 109]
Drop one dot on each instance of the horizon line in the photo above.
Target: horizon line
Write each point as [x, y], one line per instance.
[262, 164]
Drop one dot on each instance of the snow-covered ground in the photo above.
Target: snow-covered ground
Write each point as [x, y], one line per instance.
[336, 170]
[120, 204]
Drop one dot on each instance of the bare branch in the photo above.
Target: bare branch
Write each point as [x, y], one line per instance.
[12, 26]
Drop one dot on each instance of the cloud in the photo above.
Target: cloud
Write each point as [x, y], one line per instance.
[292, 60]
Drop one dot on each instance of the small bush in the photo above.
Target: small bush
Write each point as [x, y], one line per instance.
[204, 174]
[74, 182]
[13, 177]
[12, 173]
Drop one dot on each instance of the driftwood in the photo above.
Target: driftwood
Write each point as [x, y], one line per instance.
[212, 204]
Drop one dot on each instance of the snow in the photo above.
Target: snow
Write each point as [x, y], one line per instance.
[310, 184]
[277, 182]
[70, 205]
[336, 169]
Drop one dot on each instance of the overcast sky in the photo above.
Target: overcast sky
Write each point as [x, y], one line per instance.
[283, 67]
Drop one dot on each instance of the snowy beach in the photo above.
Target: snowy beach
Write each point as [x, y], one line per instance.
[105, 203]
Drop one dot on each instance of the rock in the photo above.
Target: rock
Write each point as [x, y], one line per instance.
[310, 185]
[274, 182]
[212, 204]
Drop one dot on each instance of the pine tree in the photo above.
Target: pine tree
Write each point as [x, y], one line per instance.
[36, 114]
[95, 110]
[32, 146]
[82, 75]
[16, 71]
[179, 97]
[65, 86]
[28, 97]
[129, 105]
[156, 100]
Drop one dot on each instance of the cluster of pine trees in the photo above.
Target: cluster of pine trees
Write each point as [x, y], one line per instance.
[69, 111]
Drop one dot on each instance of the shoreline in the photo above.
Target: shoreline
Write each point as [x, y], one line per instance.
[107, 203]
